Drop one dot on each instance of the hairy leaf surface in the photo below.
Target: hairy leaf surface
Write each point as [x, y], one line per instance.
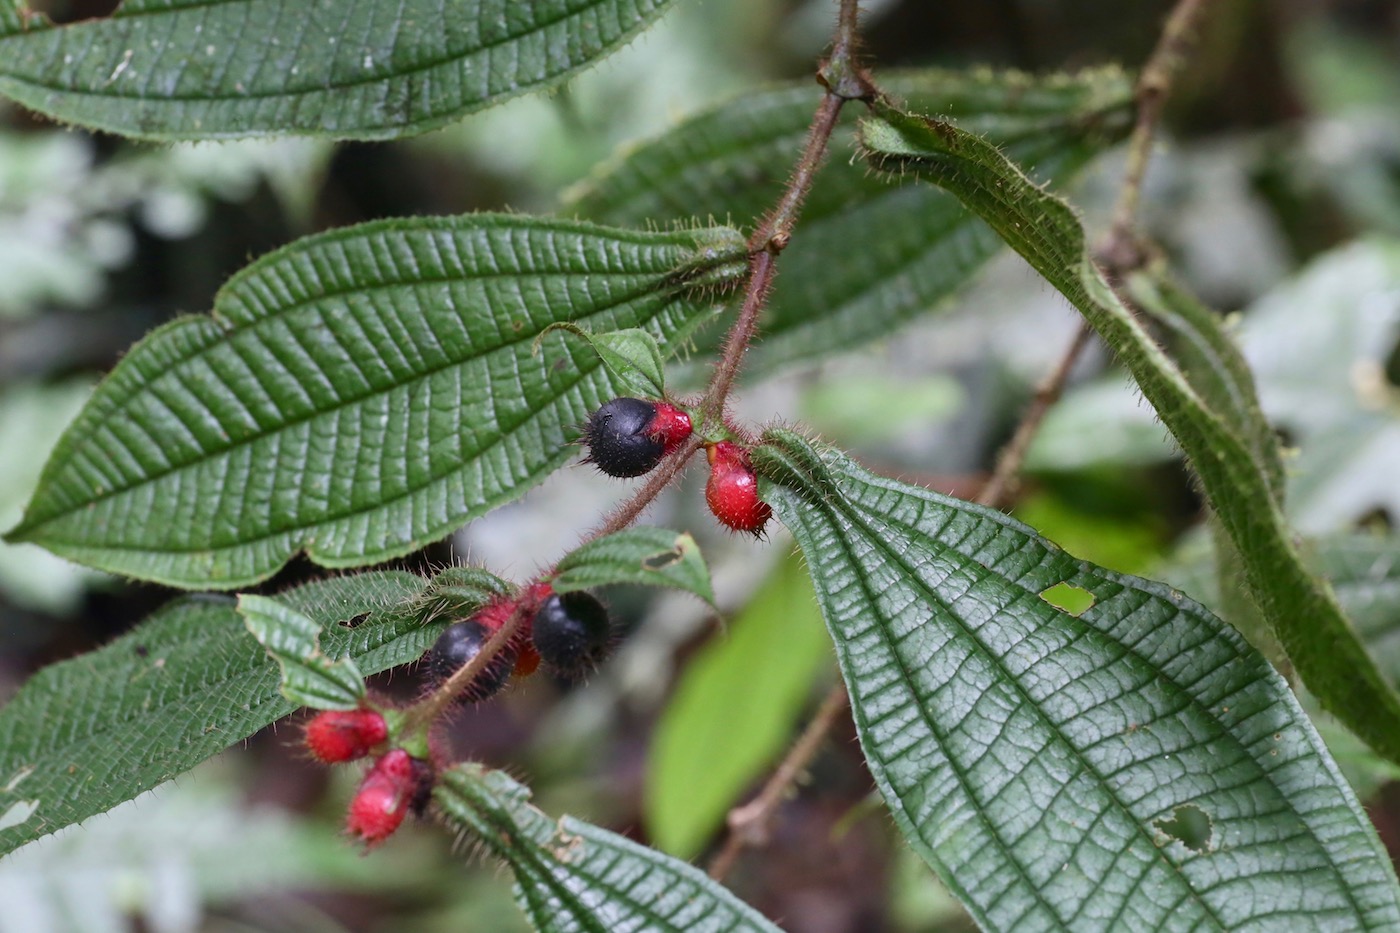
[647, 556]
[1044, 761]
[359, 394]
[350, 69]
[84, 735]
[867, 257]
[572, 877]
[1239, 485]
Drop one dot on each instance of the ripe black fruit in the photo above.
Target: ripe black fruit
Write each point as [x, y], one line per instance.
[457, 645]
[618, 439]
[570, 632]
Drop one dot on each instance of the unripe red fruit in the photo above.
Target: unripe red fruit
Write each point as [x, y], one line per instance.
[571, 633]
[344, 735]
[396, 783]
[629, 436]
[732, 490]
[462, 641]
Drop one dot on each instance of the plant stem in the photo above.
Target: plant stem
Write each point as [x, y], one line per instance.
[1119, 251]
[844, 81]
[1009, 461]
[748, 825]
[427, 711]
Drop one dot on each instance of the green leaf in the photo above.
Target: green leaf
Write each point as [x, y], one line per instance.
[309, 677]
[1040, 760]
[1299, 609]
[572, 876]
[1212, 363]
[733, 711]
[631, 355]
[359, 394]
[84, 735]
[869, 256]
[649, 556]
[351, 69]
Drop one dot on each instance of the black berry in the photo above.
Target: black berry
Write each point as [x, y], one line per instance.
[571, 633]
[457, 645]
[618, 441]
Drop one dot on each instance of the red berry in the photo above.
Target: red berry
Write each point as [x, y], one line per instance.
[344, 735]
[629, 436]
[732, 490]
[396, 783]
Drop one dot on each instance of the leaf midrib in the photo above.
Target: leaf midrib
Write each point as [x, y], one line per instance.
[223, 450]
[1261, 773]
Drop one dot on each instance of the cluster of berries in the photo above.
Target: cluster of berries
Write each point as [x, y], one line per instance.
[568, 632]
[395, 784]
[629, 437]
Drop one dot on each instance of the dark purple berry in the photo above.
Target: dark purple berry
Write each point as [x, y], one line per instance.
[457, 645]
[571, 633]
[629, 436]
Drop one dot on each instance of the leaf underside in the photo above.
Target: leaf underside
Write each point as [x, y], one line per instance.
[868, 257]
[1239, 483]
[359, 394]
[349, 69]
[572, 877]
[84, 735]
[1040, 760]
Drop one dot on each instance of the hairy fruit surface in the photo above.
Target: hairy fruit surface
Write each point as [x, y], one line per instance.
[462, 641]
[571, 633]
[628, 436]
[732, 490]
[334, 736]
[396, 783]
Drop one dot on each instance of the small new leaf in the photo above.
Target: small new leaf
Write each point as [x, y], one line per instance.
[649, 556]
[309, 678]
[632, 355]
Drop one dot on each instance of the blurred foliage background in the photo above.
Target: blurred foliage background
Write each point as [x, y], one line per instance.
[1276, 194]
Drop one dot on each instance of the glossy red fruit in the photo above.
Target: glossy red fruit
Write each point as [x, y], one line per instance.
[396, 783]
[732, 490]
[629, 436]
[344, 735]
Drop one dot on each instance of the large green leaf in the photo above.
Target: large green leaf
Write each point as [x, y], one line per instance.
[867, 256]
[1043, 761]
[572, 877]
[734, 709]
[84, 735]
[1241, 488]
[365, 69]
[360, 393]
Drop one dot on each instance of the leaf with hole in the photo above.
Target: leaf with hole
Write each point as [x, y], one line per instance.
[86, 734]
[1238, 482]
[360, 393]
[647, 556]
[572, 877]
[915, 246]
[1030, 754]
[348, 69]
